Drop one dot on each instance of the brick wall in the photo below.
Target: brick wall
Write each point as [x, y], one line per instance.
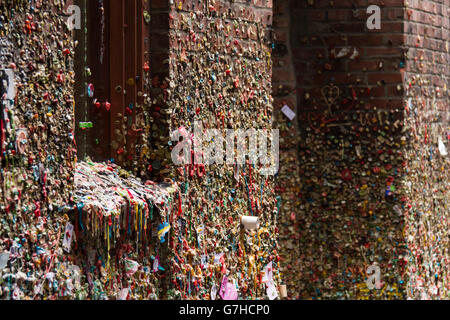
[370, 122]
[219, 65]
[37, 152]
[367, 186]
[210, 61]
[349, 95]
[370, 62]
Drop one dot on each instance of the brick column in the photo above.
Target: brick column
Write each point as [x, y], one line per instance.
[427, 75]
[37, 153]
[219, 66]
[349, 96]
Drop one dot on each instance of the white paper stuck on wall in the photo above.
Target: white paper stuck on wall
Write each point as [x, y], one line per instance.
[250, 223]
[442, 148]
[288, 112]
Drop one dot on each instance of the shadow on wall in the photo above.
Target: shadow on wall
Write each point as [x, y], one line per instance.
[350, 214]
[285, 119]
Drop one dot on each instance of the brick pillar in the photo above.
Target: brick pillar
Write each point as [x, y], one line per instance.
[350, 95]
[427, 117]
[219, 72]
[373, 106]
